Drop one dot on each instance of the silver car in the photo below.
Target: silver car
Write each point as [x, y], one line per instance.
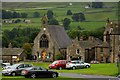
[15, 69]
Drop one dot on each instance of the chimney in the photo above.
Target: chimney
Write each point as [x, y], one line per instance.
[81, 38]
[91, 38]
[10, 45]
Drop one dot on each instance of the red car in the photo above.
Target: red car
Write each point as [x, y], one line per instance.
[59, 64]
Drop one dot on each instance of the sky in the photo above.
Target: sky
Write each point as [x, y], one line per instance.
[58, 0]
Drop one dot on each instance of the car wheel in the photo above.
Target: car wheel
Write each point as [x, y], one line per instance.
[73, 67]
[33, 76]
[87, 66]
[13, 73]
[60, 68]
[54, 75]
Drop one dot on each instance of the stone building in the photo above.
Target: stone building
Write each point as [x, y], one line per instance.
[85, 50]
[52, 39]
[94, 49]
[112, 37]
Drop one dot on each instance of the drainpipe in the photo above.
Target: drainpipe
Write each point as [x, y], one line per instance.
[118, 65]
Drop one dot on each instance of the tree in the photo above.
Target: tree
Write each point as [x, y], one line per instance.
[36, 14]
[69, 12]
[27, 49]
[97, 4]
[24, 15]
[74, 33]
[66, 23]
[15, 15]
[78, 17]
[53, 22]
[50, 14]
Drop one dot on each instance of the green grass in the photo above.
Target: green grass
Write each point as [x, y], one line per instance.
[109, 69]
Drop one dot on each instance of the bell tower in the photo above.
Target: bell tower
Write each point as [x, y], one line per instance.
[44, 21]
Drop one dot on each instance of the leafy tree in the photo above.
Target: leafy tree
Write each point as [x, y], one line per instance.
[66, 23]
[5, 41]
[53, 22]
[97, 4]
[59, 56]
[69, 12]
[24, 15]
[15, 15]
[74, 33]
[78, 17]
[50, 14]
[27, 49]
[36, 14]
[18, 36]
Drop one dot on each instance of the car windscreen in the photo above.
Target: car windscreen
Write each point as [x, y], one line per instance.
[55, 62]
[14, 66]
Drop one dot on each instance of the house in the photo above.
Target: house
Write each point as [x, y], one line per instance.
[52, 39]
[84, 50]
[13, 54]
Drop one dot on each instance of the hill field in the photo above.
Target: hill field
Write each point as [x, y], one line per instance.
[95, 17]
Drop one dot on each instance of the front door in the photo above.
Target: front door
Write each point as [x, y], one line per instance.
[43, 55]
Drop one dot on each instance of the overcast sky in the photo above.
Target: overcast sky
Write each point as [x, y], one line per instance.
[58, 0]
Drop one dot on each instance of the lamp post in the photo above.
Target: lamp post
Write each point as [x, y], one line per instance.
[118, 65]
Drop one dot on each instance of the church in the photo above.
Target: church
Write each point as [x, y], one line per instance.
[52, 39]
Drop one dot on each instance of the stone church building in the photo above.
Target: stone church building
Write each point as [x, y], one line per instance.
[53, 39]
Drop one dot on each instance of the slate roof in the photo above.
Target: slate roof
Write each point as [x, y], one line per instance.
[59, 35]
[11, 51]
[88, 44]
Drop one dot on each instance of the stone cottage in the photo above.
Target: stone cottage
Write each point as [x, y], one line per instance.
[50, 40]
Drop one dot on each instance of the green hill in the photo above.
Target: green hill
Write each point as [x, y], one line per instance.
[95, 17]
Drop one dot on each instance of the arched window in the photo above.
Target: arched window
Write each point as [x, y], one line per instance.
[107, 36]
[44, 43]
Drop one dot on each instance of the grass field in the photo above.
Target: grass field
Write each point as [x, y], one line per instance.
[109, 69]
[96, 17]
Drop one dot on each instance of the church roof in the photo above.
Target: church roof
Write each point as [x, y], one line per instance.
[59, 35]
[11, 51]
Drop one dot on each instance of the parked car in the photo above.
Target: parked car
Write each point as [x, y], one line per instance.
[74, 65]
[5, 65]
[35, 72]
[59, 64]
[86, 65]
[94, 62]
[15, 69]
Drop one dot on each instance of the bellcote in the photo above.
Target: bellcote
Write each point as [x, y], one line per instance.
[44, 21]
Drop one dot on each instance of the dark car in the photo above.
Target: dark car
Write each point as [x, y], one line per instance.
[59, 64]
[15, 69]
[35, 72]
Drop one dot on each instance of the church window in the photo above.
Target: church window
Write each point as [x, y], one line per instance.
[44, 43]
[77, 51]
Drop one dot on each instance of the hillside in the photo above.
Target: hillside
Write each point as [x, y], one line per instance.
[95, 18]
